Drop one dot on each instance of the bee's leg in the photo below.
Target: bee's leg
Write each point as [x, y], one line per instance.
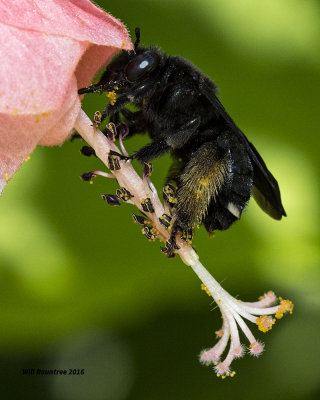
[115, 118]
[90, 89]
[153, 150]
[178, 138]
[121, 156]
[111, 110]
[122, 100]
[135, 121]
[200, 183]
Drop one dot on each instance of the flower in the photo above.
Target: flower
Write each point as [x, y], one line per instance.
[233, 310]
[53, 47]
[48, 50]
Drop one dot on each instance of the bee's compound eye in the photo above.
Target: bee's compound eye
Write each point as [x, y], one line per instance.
[141, 65]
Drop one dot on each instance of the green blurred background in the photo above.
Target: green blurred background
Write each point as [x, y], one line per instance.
[82, 288]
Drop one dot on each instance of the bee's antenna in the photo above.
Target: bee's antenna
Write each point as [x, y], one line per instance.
[137, 33]
[90, 89]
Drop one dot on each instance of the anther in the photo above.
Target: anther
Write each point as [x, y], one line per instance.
[165, 220]
[113, 161]
[187, 235]
[147, 169]
[147, 205]
[138, 219]
[111, 131]
[87, 176]
[169, 195]
[124, 194]
[97, 119]
[149, 233]
[265, 323]
[123, 130]
[111, 199]
[87, 151]
[169, 248]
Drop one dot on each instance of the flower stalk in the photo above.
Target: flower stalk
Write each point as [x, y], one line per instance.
[143, 194]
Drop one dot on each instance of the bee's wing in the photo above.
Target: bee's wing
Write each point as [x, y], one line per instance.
[266, 189]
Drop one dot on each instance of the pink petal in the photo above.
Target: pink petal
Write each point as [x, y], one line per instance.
[76, 19]
[48, 50]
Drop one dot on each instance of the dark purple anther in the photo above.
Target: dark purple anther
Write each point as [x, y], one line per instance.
[87, 151]
[138, 219]
[147, 205]
[111, 131]
[124, 194]
[123, 130]
[111, 199]
[169, 248]
[87, 176]
[147, 169]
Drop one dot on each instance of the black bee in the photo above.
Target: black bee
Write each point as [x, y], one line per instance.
[215, 168]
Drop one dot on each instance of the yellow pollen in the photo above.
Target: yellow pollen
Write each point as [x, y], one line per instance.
[285, 306]
[123, 44]
[112, 96]
[37, 119]
[205, 289]
[45, 114]
[18, 155]
[6, 176]
[219, 333]
[215, 363]
[15, 113]
[218, 301]
[251, 345]
[265, 323]
[154, 231]
[204, 182]
[27, 159]
[172, 200]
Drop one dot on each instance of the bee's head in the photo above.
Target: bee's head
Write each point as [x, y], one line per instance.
[129, 69]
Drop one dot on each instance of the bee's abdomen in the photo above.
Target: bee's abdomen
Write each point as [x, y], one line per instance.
[228, 206]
